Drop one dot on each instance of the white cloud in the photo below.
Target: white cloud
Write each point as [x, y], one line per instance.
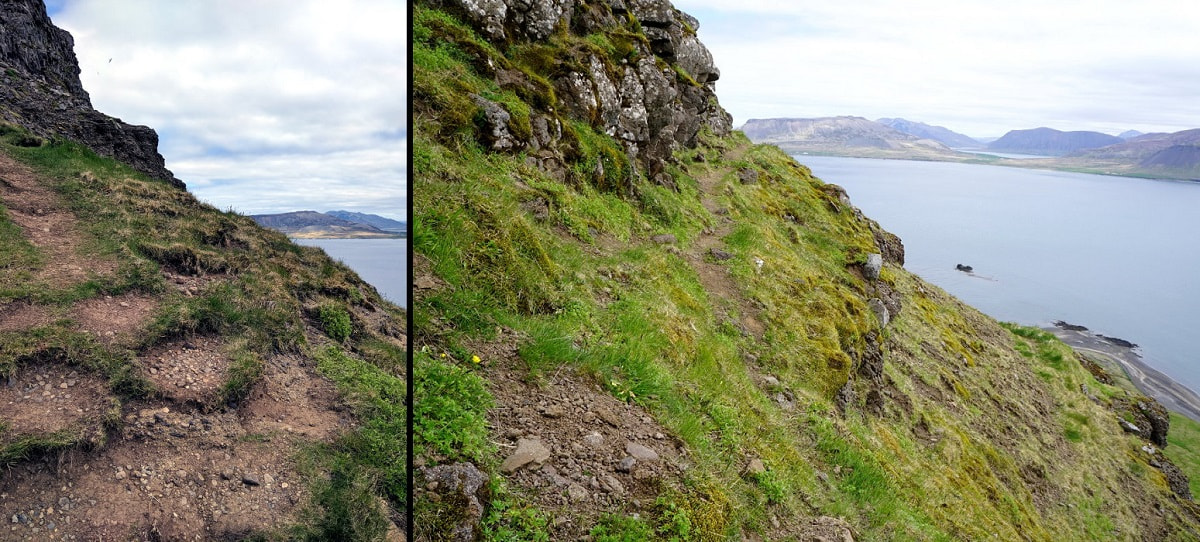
[977, 67]
[261, 106]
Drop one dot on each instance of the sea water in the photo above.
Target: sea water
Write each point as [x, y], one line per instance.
[1118, 255]
[383, 263]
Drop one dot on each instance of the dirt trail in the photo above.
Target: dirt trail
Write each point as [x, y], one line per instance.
[47, 224]
[707, 249]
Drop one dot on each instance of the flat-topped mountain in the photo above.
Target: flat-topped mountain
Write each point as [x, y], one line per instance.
[1050, 142]
[939, 133]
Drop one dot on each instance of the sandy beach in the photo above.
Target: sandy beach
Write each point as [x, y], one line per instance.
[1174, 396]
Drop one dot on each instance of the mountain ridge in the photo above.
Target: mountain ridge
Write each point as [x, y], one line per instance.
[315, 225]
[1048, 141]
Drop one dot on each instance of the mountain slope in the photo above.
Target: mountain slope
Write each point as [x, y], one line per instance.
[1050, 142]
[169, 371]
[713, 344]
[377, 221]
[847, 136]
[314, 225]
[948, 137]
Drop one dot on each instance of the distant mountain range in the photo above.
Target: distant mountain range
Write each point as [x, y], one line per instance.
[1050, 142]
[1157, 155]
[383, 223]
[332, 225]
[947, 136]
[843, 136]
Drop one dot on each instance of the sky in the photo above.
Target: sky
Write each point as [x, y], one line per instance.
[261, 106]
[977, 67]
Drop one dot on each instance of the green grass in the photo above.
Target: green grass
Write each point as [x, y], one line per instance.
[976, 419]
[1184, 449]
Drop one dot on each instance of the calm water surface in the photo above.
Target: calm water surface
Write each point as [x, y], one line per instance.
[1118, 255]
[381, 262]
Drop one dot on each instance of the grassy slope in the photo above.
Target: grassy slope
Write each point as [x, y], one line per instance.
[986, 433]
[269, 296]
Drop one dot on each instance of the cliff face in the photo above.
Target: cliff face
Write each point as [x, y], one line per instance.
[40, 90]
[634, 70]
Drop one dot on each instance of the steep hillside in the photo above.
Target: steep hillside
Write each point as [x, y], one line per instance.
[948, 137]
[169, 371]
[1050, 142]
[710, 343]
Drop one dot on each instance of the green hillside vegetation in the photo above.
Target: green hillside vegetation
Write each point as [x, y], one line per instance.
[968, 430]
[202, 275]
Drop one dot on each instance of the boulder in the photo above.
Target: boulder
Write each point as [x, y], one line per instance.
[497, 135]
[873, 266]
[880, 310]
[640, 452]
[528, 451]
[466, 486]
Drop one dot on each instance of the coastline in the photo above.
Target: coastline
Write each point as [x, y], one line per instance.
[1122, 354]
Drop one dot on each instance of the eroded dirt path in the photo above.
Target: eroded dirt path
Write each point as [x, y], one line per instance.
[47, 224]
[173, 471]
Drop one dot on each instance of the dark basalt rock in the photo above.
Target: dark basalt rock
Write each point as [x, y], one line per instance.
[40, 91]
[964, 268]
[653, 101]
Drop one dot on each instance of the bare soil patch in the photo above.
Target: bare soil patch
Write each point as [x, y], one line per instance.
[291, 398]
[44, 399]
[21, 316]
[49, 226]
[590, 435]
[174, 475]
[114, 319]
[192, 369]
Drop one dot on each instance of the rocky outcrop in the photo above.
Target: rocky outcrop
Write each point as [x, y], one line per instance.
[654, 93]
[40, 91]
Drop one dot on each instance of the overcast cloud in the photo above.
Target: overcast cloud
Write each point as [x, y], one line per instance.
[261, 106]
[980, 68]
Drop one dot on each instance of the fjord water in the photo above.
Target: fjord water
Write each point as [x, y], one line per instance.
[1118, 255]
[381, 262]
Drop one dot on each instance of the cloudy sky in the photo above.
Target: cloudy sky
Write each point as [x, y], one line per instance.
[261, 106]
[977, 67]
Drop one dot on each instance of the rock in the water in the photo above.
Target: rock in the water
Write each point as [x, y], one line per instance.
[640, 452]
[872, 266]
[964, 268]
[461, 482]
[528, 451]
